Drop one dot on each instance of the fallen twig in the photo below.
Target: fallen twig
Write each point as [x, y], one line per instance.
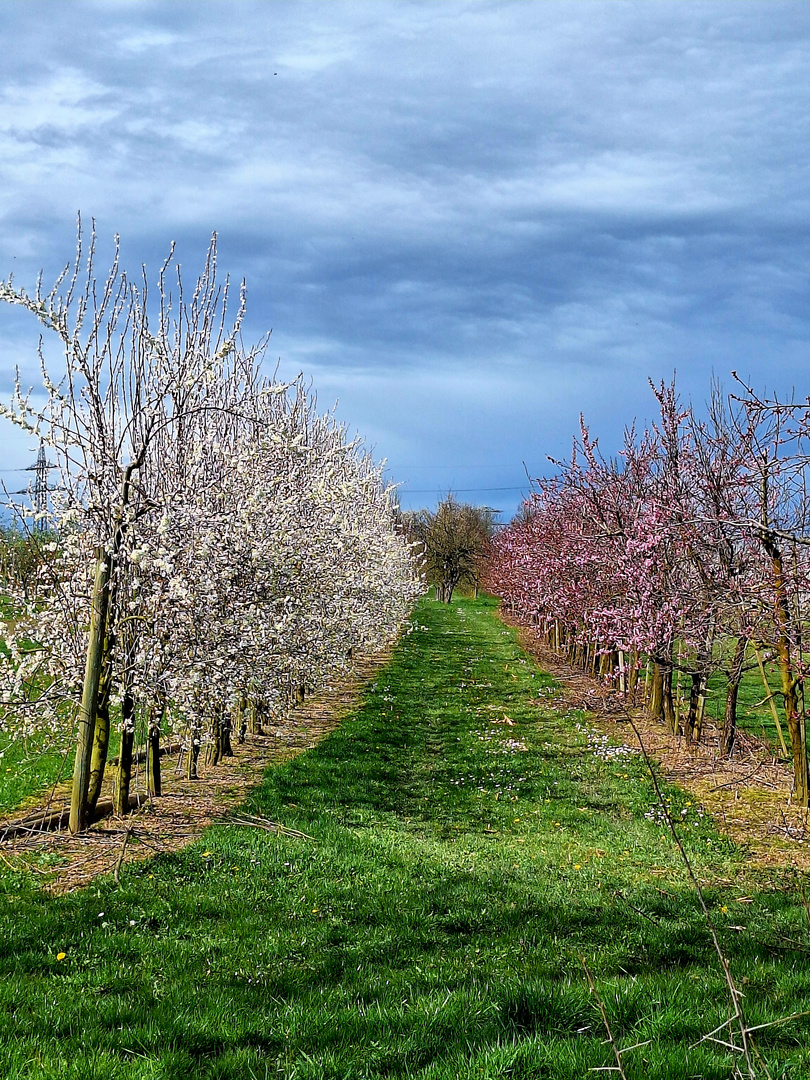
[269, 826]
[121, 854]
[638, 911]
[49, 821]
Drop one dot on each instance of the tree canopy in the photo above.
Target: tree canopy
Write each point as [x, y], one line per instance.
[452, 541]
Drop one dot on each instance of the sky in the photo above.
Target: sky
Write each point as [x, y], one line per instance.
[466, 222]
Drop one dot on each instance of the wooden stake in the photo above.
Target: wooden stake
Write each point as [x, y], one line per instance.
[771, 702]
[92, 678]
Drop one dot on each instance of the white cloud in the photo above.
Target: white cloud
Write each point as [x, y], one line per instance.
[147, 40]
[66, 102]
[463, 218]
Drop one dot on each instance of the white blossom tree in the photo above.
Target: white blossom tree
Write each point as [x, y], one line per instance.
[218, 541]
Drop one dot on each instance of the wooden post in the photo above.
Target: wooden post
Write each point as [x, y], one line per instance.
[92, 678]
[772, 703]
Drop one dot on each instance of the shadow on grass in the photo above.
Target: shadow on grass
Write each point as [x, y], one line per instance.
[467, 846]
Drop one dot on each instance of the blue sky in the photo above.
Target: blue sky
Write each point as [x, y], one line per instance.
[467, 222]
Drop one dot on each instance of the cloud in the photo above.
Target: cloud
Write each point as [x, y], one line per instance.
[518, 208]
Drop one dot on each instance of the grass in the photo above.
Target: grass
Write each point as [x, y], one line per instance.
[753, 711]
[28, 769]
[471, 840]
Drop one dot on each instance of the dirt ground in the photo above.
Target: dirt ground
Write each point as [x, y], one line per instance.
[63, 862]
[749, 796]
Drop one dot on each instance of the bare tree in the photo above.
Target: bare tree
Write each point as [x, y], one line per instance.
[453, 540]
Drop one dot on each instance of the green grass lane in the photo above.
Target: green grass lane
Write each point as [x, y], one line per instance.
[472, 839]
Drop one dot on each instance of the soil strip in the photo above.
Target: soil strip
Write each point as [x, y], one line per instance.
[64, 863]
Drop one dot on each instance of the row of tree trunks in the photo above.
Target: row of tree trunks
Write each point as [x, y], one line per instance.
[623, 670]
[660, 705]
[660, 701]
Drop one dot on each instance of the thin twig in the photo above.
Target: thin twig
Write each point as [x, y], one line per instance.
[619, 1068]
[781, 1020]
[738, 779]
[638, 911]
[121, 854]
[270, 826]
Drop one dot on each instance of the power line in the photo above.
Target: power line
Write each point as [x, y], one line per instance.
[460, 491]
[39, 489]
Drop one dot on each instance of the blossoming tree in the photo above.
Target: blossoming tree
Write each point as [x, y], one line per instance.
[695, 537]
[218, 542]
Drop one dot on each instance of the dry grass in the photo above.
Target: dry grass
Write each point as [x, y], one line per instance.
[749, 796]
[186, 807]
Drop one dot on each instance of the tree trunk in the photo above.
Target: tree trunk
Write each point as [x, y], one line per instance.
[193, 752]
[622, 667]
[670, 717]
[121, 797]
[660, 705]
[101, 735]
[794, 711]
[102, 630]
[678, 708]
[700, 687]
[237, 721]
[774, 713]
[605, 666]
[690, 728]
[92, 677]
[632, 677]
[655, 703]
[256, 715]
[153, 779]
[215, 750]
[226, 726]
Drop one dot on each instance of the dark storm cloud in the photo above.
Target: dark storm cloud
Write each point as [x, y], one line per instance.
[468, 221]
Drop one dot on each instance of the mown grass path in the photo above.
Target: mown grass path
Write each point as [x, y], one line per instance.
[471, 841]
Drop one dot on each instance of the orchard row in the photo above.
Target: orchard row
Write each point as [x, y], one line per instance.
[216, 549]
[689, 551]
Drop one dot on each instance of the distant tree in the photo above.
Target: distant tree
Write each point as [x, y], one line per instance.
[454, 540]
[24, 556]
